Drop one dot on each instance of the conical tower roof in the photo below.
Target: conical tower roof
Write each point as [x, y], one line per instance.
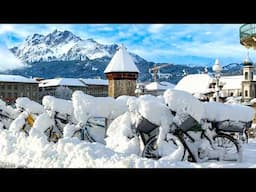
[121, 62]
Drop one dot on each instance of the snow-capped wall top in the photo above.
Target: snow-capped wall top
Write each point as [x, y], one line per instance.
[16, 78]
[121, 62]
[95, 81]
[71, 82]
[159, 86]
[196, 83]
[61, 82]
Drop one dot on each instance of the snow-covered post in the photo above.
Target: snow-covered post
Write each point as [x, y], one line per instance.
[217, 69]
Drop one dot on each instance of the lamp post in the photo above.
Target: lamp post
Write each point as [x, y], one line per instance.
[217, 70]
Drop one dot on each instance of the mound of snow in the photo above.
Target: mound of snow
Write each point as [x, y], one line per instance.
[29, 105]
[183, 102]
[86, 106]
[59, 105]
[219, 112]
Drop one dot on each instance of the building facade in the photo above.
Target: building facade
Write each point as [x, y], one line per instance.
[96, 87]
[64, 87]
[14, 86]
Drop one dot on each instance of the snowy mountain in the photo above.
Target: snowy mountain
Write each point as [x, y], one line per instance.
[61, 46]
[63, 54]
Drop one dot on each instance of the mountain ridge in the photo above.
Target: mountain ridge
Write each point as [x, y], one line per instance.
[63, 54]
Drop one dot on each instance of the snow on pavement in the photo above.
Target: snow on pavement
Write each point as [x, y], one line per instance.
[17, 150]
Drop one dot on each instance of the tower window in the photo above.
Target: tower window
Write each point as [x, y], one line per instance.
[246, 93]
[246, 75]
[251, 75]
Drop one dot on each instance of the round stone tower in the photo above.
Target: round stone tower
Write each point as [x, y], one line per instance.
[122, 74]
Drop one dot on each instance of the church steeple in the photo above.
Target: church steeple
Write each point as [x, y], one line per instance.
[248, 61]
[248, 84]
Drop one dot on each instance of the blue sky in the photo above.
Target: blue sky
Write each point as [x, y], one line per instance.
[172, 43]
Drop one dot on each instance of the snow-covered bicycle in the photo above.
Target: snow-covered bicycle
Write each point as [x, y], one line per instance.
[198, 144]
[27, 110]
[93, 130]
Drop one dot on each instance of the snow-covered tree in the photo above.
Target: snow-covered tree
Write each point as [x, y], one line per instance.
[63, 92]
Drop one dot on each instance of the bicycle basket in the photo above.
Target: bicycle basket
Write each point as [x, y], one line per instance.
[231, 126]
[145, 125]
[189, 124]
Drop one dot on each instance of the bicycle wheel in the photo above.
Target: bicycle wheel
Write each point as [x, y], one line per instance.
[246, 135]
[150, 149]
[169, 148]
[85, 135]
[230, 147]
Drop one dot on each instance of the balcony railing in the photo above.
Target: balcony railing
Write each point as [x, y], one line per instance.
[248, 35]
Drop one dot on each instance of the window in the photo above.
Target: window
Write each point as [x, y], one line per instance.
[2, 87]
[246, 76]
[3, 94]
[231, 94]
[15, 95]
[246, 93]
[9, 87]
[15, 87]
[9, 94]
[251, 75]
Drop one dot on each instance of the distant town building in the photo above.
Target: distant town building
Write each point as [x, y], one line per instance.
[232, 85]
[122, 74]
[197, 84]
[157, 88]
[14, 86]
[94, 87]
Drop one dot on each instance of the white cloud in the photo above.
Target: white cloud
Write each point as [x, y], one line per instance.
[8, 61]
[155, 28]
[6, 28]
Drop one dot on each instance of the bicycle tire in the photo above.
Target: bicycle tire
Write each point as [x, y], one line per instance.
[150, 150]
[85, 135]
[232, 147]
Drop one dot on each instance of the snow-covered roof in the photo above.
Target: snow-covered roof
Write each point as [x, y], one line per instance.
[231, 82]
[195, 83]
[16, 78]
[61, 81]
[121, 62]
[95, 81]
[159, 86]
